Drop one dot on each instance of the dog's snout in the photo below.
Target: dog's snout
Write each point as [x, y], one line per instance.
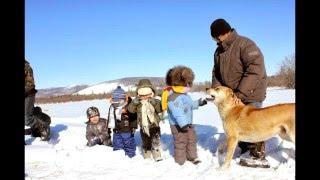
[210, 99]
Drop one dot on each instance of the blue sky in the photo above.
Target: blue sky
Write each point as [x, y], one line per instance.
[90, 41]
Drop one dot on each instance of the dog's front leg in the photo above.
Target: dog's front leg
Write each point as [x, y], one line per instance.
[231, 146]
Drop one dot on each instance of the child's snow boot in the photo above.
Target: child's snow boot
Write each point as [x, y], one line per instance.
[146, 154]
[195, 161]
[156, 153]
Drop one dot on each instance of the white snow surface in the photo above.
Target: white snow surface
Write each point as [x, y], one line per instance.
[66, 155]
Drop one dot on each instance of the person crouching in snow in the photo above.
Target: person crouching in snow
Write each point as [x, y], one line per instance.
[42, 126]
[147, 109]
[179, 106]
[125, 123]
[97, 131]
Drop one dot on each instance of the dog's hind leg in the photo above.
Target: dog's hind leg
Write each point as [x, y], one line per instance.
[291, 135]
[292, 131]
[287, 134]
[231, 146]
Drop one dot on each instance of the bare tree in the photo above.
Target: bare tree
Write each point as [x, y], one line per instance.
[286, 73]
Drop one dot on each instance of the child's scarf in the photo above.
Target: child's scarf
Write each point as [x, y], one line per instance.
[114, 111]
[147, 113]
[165, 94]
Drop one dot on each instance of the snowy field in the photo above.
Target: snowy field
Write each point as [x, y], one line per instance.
[66, 156]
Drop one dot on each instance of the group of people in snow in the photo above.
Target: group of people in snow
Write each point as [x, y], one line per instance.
[146, 111]
[238, 64]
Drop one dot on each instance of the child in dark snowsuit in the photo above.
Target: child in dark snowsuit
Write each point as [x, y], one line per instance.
[125, 123]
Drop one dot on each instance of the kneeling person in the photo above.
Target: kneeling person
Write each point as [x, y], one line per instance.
[97, 131]
[41, 127]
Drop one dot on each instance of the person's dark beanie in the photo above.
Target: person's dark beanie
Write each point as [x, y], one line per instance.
[219, 27]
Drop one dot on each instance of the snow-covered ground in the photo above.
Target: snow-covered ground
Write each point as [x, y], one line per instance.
[65, 156]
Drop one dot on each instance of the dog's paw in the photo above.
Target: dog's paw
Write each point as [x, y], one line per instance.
[221, 168]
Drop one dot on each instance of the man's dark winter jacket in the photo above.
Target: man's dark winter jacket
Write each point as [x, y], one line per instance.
[239, 64]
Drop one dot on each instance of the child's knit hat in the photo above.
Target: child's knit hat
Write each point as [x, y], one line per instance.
[118, 94]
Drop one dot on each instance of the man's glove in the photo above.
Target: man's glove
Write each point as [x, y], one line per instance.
[202, 102]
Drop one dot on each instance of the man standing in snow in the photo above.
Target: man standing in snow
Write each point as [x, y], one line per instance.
[29, 91]
[239, 65]
[38, 121]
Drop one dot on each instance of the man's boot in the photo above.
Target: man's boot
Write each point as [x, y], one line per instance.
[256, 157]
[244, 146]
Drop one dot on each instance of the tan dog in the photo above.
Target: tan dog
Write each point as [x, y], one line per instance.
[249, 124]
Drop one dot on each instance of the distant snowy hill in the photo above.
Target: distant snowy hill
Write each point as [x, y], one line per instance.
[128, 84]
[58, 91]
